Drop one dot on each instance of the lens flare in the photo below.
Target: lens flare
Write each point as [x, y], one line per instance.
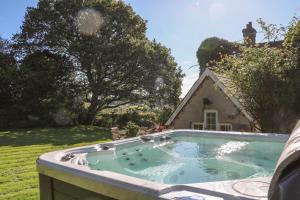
[159, 83]
[89, 21]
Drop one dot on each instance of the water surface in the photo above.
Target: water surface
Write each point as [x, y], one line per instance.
[192, 159]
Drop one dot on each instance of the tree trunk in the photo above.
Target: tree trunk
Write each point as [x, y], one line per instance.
[92, 110]
[90, 117]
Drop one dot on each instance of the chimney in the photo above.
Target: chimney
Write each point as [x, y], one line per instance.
[249, 34]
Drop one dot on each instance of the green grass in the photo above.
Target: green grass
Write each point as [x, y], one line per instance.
[19, 150]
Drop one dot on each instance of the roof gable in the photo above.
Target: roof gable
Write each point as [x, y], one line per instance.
[218, 82]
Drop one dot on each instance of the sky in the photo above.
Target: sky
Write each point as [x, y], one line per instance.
[182, 25]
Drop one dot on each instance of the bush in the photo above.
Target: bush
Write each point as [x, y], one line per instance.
[132, 129]
[164, 114]
[140, 115]
[147, 119]
[105, 121]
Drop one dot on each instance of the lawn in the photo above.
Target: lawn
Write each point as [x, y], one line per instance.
[19, 150]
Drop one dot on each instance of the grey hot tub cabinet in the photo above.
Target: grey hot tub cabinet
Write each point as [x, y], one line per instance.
[54, 189]
[285, 184]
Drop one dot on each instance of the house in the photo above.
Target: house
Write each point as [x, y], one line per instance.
[211, 105]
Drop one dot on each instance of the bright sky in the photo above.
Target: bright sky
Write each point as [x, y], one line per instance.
[181, 25]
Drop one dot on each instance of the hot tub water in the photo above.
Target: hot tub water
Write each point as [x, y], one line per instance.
[191, 159]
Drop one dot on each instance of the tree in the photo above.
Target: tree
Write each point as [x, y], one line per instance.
[292, 39]
[8, 81]
[267, 81]
[292, 42]
[212, 49]
[272, 32]
[106, 43]
[167, 86]
[48, 89]
[293, 34]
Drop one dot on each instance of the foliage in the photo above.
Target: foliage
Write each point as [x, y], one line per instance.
[167, 77]
[272, 32]
[164, 114]
[9, 91]
[143, 116]
[140, 115]
[106, 44]
[49, 89]
[212, 49]
[267, 81]
[40, 91]
[292, 38]
[132, 129]
[20, 181]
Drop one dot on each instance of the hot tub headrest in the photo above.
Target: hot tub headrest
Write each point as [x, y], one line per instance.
[286, 177]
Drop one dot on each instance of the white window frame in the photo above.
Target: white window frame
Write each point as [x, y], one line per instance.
[197, 123]
[226, 124]
[205, 120]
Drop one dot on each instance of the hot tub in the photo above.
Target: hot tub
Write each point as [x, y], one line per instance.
[177, 164]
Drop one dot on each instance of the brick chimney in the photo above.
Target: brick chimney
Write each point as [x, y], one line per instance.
[249, 34]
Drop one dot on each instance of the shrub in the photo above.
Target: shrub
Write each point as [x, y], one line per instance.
[132, 129]
[140, 115]
[164, 114]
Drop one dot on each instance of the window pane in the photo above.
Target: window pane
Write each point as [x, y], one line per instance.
[211, 121]
[225, 127]
[198, 126]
